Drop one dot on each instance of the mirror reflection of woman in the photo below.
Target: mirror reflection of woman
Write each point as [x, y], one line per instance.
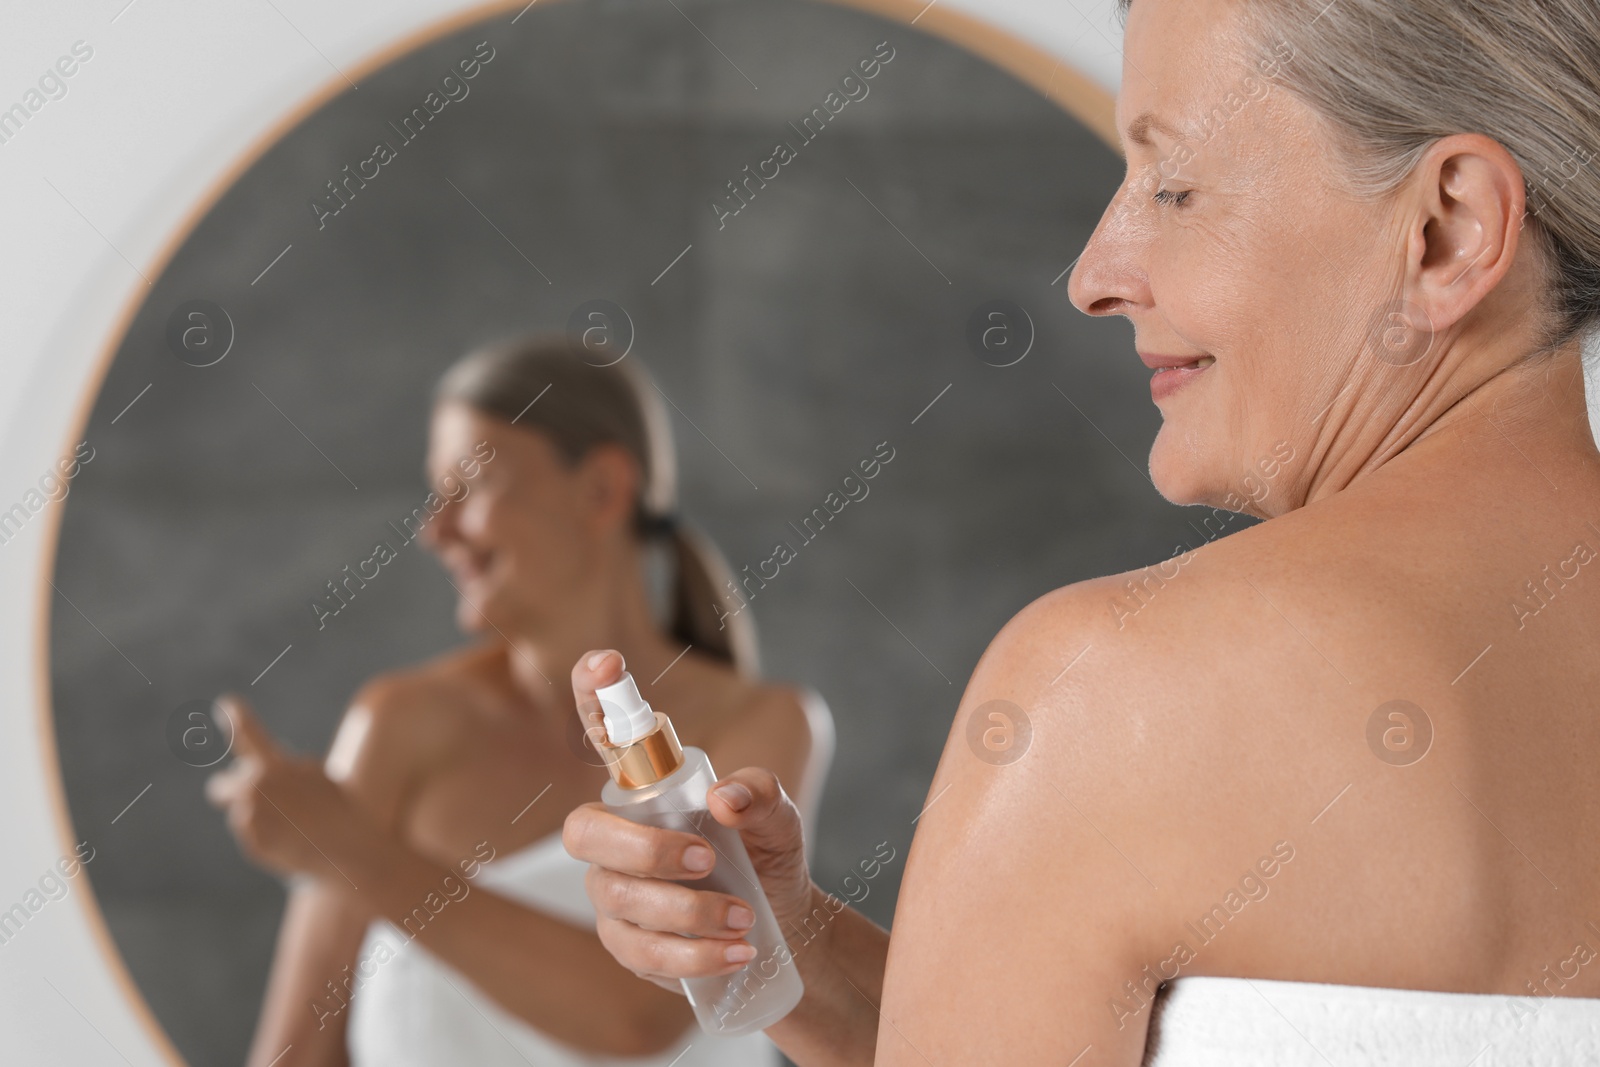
[437, 815]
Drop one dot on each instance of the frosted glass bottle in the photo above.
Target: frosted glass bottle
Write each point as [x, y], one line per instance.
[656, 781]
[769, 986]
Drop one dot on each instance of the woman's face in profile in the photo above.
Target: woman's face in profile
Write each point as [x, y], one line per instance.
[1229, 239]
[512, 537]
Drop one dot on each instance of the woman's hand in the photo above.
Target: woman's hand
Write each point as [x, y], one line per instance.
[284, 810]
[655, 927]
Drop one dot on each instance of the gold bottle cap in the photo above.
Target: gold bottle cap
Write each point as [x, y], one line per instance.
[645, 761]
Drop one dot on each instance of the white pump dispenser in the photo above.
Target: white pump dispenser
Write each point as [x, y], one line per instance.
[628, 717]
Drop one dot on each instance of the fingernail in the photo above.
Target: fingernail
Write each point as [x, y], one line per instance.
[741, 917]
[734, 795]
[597, 659]
[698, 858]
[739, 953]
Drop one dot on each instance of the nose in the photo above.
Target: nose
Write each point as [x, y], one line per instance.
[1109, 277]
[441, 529]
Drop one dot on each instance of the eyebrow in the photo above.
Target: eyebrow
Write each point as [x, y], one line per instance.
[1139, 129]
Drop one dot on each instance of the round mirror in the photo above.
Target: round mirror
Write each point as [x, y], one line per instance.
[832, 238]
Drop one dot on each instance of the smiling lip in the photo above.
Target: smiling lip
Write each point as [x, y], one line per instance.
[1172, 372]
[1155, 362]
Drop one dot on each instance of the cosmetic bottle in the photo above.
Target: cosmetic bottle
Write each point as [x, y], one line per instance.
[658, 782]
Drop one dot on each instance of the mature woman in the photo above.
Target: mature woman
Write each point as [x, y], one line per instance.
[437, 817]
[1333, 788]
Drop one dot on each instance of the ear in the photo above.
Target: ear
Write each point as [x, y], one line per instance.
[609, 485]
[1471, 207]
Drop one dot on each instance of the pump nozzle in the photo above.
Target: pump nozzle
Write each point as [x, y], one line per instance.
[642, 748]
[628, 717]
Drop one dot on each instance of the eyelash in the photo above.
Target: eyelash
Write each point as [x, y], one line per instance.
[1167, 196]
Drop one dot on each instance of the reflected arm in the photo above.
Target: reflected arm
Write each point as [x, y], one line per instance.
[542, 969]
[302, 1024]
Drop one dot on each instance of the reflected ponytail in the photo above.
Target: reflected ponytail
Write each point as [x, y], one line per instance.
[543, 384]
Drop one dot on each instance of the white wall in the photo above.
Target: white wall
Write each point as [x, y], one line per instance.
[96, 186]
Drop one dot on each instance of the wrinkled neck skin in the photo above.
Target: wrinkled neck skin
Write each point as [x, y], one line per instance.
[1432, 416]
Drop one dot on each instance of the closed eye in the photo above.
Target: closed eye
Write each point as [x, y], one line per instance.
[1167, 196]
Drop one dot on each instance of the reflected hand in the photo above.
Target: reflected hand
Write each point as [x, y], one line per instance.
[285, 812]
[655, 927]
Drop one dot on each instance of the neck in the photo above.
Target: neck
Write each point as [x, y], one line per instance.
[612, 611]
[1535, 407]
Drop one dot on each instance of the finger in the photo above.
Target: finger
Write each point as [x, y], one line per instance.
[595, 669]
[223, 787]
[667, 907]
[753, 801]
[242, 822]
[650, 953]
[592, 834]
[250, 738]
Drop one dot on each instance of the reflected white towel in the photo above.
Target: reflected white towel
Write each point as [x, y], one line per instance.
[417, 1011]
[1239, 1022]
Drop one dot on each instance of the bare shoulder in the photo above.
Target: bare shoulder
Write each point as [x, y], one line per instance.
[1156, 753]
[1246, 653]
[773, 709]
[1177, 722]
[757, 723]
[1188, 723]
[1043, 868]
[415, 689]
[401, 722]
[779, 727]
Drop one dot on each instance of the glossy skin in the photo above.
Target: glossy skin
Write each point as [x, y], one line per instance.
[1208, 732]
[472, 755]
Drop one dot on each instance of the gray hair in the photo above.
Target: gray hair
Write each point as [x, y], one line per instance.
[1392, 78]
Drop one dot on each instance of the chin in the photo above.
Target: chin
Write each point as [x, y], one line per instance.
[476, 616]
[1175, 473]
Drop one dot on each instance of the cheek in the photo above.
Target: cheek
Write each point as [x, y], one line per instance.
[1217, 289]
[523, 531]
[1201, 290]
[1237, 287]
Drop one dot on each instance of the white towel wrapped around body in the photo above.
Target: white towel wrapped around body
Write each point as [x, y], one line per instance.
[1243, 1022]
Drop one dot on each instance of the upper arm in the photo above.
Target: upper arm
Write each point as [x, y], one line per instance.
[1028, 891]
